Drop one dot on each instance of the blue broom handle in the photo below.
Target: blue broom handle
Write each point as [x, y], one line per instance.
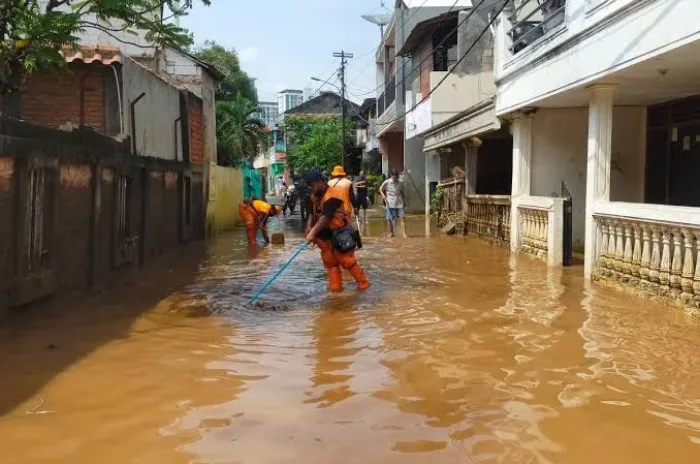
[278, 273]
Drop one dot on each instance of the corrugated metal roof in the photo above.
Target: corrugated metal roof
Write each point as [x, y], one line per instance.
[101, 54]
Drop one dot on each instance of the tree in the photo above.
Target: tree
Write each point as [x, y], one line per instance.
[315, 142]
[32, 32]
[236, 81]
[241, 136]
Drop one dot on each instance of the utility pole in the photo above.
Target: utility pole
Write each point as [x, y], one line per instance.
[344, 56]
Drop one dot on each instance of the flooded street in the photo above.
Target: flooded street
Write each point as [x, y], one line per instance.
[458, 353]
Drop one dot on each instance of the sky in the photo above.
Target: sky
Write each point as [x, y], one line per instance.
[283, 43]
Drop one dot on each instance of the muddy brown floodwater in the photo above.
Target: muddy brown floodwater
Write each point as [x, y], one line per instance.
[458, 353]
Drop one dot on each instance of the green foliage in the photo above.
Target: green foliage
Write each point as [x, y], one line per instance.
[374, 181]
[240, 135]
[436, 201]
[32, 32]
[236, 81]
[315, 142]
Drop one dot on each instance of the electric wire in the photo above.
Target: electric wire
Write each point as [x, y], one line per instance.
[444, 78]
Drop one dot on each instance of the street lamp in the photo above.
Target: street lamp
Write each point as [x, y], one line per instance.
[327, 81]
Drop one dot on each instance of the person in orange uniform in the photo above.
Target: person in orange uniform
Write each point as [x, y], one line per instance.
[328, 216]
[255, 214]
[339, 179]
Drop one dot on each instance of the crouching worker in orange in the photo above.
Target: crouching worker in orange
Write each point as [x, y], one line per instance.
[328, 227]
[255, 214]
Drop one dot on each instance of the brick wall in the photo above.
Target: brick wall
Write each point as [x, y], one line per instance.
[391, 144]
[196, 121]
[426, 67]
[75, 95]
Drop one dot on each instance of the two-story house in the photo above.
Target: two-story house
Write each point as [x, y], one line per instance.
[603, 98]
[451, 110]
[395, 75]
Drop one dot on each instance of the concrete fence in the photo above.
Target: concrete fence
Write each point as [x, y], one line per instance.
[225, 194]
[76, 206]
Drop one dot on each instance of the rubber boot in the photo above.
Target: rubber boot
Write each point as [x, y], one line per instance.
[359, 276]
[335, 279]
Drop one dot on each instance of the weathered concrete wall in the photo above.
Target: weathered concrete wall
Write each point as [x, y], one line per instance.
[559, 147]
[156, 133]
[78, 242]
[7, 186]
[226, 193]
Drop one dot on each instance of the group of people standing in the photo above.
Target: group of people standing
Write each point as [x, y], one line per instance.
[334, 204]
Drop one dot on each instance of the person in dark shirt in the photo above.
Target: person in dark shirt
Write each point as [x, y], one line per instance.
[329, 217]
[361, 187]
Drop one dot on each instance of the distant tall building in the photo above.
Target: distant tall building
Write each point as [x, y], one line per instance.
[269, 111]
[289, 99]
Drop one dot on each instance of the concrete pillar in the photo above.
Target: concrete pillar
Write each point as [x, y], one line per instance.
[471, 150]
[600, 117]
[522, 158]
[432, 174]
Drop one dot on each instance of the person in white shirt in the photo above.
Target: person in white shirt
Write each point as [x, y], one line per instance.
[392, 191]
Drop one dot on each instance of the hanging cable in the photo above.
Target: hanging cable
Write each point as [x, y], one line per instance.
[444, 78]
[431, 54]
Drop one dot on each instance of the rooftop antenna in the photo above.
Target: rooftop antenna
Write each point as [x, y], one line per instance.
[381, 18]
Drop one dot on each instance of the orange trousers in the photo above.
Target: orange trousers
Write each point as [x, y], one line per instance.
[333, 260]
[250, 219]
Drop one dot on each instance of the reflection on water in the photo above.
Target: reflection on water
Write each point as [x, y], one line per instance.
[459, 353]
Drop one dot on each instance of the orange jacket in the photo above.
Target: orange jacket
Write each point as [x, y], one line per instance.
[344, 186]
[341, 217]
[261, 206]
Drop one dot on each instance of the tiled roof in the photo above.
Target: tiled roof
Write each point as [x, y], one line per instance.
[102, 54]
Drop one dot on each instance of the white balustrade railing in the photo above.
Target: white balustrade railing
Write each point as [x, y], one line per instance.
[655, 249]
[538, 227]
[488, 217]
[534, 230]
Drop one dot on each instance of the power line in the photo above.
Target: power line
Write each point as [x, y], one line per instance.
[444, 78]
[323, 82]
[344, 56]
[374, 50]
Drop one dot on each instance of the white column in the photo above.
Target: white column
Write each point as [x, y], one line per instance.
[522, 158]
[600, 116]
[432, 174]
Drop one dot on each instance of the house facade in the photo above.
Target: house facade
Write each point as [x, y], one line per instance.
[400, 150]
[451, 113]
[602, 99]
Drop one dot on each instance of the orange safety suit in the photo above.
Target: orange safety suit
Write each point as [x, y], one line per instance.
[254, 215]
[333, 259]
[344, 186]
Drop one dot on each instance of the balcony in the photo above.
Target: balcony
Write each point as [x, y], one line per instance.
[533, 19]
[546, 56]
[457, 94]
[390, 110]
